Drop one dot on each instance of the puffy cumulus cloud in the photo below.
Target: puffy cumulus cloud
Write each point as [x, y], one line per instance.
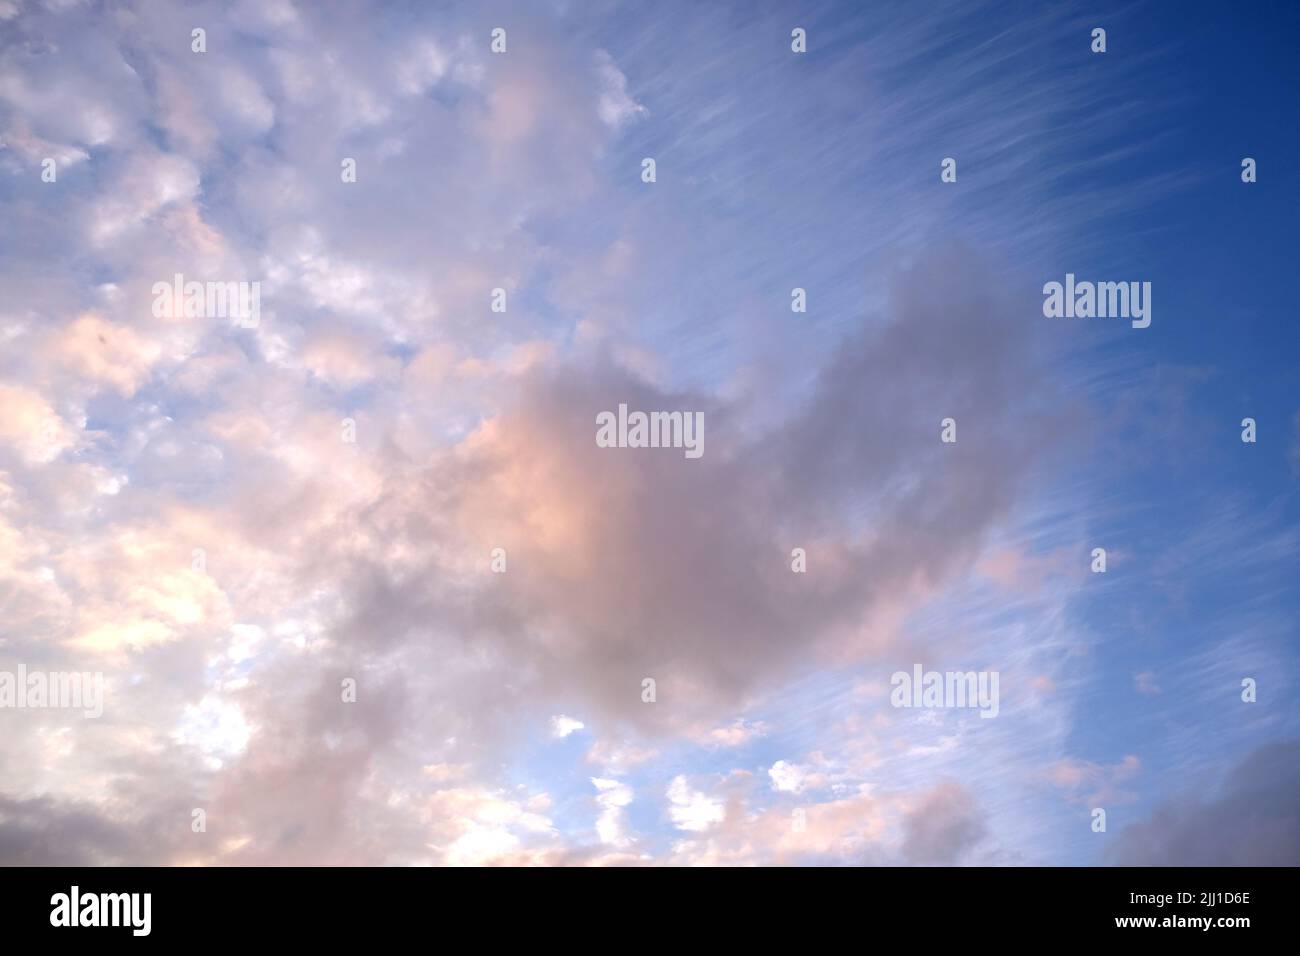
[1251, 819]
[788, 777]
[692, 809]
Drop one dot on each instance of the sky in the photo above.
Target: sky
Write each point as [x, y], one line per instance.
[358, 580]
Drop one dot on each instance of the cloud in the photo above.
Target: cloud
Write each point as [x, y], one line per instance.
[1253, 820]
[855, 828]
[612, 796]
[102, 352]
[615, 106]
[473, 827]
[131, 444]
[692, 810]
[1094, 783]
[735, 734]
[787, 777]
[562, 726]
[598, 541]
[45, 831]
[31, 426]
[943, 827]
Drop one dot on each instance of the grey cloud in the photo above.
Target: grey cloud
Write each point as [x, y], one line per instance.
[1254, 820]
[50, 831]
[626, 564]
[943, 828]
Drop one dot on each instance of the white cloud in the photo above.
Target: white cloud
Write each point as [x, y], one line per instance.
[612, 797]
[217, 727]
[787, 777]
[480, 826]
[691, 809]
[615, 106]
[562, 726]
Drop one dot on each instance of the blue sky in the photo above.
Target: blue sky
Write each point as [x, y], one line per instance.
[183, 508]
